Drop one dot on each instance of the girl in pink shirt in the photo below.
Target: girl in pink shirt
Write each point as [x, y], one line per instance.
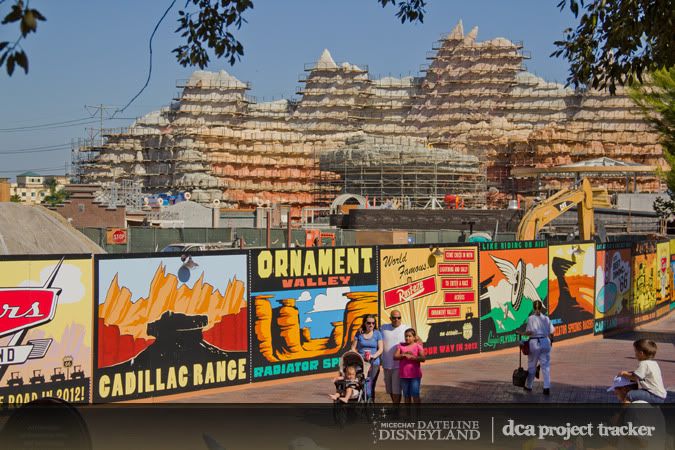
[410, 354]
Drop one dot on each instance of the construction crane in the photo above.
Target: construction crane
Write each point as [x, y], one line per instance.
[545, 212]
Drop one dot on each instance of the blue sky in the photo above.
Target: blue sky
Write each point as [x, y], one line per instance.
[318, 307]
[136, 274]
[90, 53]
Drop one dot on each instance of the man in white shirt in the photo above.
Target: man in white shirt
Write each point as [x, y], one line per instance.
[392, 335]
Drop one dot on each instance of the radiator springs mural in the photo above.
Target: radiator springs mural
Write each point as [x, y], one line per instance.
[170, 324]
[45, 330]
[512, 276]
[572, 288]
[307, 305]
[435, 289]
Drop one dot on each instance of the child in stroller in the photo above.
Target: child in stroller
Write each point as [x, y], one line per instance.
[350, 385]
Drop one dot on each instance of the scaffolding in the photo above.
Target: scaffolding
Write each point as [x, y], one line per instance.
[402, 170]
[473, 100]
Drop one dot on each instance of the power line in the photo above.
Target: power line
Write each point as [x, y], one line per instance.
[46, 124]
[18, 130]
[34, 169]
[47, 150]
[147, 81]
[36, 148]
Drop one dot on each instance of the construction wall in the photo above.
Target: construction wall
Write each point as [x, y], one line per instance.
[121, 327]
[474, 99]
[46, 332]
[163, 327]
[435, 291]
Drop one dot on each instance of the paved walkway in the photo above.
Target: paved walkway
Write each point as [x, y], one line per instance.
[581, 370]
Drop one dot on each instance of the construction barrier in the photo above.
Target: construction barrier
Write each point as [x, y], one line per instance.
[118, 327]
[436, 291]
[169, 324]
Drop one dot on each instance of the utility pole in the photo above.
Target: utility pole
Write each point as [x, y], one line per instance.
[100, 111]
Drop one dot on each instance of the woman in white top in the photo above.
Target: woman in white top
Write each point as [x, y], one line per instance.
[540, 330]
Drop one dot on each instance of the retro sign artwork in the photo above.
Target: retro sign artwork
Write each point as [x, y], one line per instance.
[45, 336]
[612, 286]
[571, 288]
[306, 307]
[170, 324]
[513, 275]
[435, 290]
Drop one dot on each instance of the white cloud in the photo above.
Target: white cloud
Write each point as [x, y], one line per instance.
[332, 300]
[537, 274]
[589, 260]
[305, 297]
[599, 278]
[309, 320]
[500, 294]
[68, 279]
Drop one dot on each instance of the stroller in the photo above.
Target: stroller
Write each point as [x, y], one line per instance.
[362, 402]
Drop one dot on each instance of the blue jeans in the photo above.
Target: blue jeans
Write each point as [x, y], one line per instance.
[644, 395]
[411, 387]
[372, 377]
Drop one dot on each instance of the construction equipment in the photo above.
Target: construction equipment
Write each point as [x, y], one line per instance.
[545, 212]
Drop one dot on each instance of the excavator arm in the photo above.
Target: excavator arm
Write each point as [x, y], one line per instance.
[545, 212]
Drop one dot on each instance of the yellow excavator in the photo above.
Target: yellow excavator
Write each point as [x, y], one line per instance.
[545, 212]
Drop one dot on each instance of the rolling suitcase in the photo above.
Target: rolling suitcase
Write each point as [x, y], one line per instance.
[520, 374]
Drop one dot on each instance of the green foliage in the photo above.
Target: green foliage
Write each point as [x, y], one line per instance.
[15, 198]
[655, 98]
[11, 54]
[206, 26]
[664, 207]
[408, 10]
[617, 41]
[56, 196]
[207, 22]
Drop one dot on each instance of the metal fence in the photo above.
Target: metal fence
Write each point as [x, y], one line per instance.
[152, 239]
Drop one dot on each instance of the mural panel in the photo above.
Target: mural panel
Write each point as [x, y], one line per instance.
[664, 277]
[571, 288]
[168, 324]
[672, 273]
[45, 330]
[644, 279]
[612, 286]
[307, 305]
[435, 289]
[512, 276]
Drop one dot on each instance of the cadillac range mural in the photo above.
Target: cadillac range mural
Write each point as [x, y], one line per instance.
[45, 330]
[170, 324]
[307, 305]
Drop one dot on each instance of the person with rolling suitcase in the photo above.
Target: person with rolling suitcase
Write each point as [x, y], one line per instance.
[540, 330]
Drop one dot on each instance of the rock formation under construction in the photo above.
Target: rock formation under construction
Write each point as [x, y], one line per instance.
[475, 103]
